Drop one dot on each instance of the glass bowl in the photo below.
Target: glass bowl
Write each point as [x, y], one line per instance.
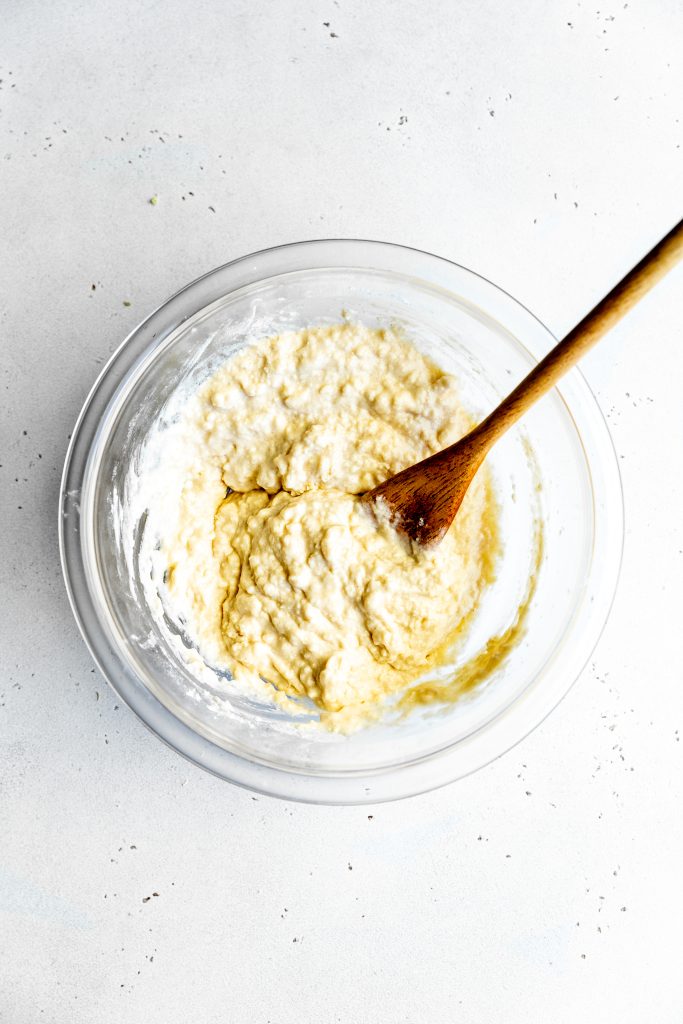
[555, 474]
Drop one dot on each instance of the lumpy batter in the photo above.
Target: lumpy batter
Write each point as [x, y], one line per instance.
[272, 564]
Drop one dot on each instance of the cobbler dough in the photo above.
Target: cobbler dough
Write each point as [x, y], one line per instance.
[273, 566]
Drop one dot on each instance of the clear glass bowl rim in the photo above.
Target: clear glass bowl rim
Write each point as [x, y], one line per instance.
[478, 749]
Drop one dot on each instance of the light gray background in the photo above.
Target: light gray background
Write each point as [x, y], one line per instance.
[539, 144]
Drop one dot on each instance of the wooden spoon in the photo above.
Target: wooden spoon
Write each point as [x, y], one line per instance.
[422, 500]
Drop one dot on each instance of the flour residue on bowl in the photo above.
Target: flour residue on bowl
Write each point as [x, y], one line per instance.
[265, 556]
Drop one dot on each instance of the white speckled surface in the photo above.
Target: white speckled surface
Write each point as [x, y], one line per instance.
[541, 148]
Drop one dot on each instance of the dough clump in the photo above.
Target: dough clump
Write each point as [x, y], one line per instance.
[276, 568]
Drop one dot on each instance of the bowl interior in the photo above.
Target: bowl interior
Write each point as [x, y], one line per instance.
[541, 473]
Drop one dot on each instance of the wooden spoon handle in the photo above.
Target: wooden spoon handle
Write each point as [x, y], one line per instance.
[582, 337]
